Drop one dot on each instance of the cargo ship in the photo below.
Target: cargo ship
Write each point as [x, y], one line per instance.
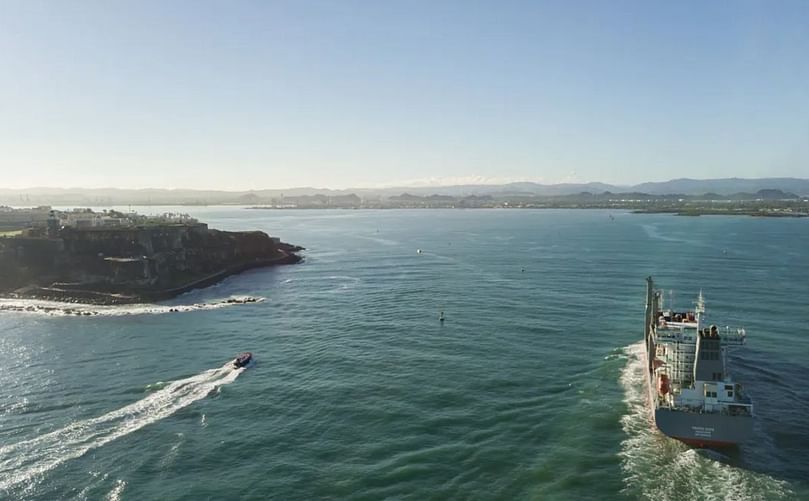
[693, 397]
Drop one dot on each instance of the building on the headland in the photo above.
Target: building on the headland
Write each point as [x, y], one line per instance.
[15, 219]
[157, 257]
[45, 222]
[53, 224]
[87, 218]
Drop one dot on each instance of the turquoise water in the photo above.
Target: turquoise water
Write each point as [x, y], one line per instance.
[531, 388]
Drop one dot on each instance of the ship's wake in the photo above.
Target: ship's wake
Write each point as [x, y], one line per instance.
[661, 468]
[24, 462]
[58, 308]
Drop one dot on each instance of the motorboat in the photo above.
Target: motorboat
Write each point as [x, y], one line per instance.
[242, 360]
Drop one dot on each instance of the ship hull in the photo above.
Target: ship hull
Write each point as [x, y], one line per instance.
[698, 429]
[704, 430]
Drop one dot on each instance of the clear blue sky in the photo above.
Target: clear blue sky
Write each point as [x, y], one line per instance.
[236, 95]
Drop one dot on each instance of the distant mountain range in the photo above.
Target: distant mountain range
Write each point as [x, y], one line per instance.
[727, 188]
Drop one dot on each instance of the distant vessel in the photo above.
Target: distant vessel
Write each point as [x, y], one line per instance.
[692, 395]
[418, 251]
[242, 360]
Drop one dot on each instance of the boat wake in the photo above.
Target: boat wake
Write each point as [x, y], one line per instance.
[57, 308]
[25, 462]
[661, 468]
[341, 283]
[115, 493]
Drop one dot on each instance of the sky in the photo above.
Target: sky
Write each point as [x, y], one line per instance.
[336, 94]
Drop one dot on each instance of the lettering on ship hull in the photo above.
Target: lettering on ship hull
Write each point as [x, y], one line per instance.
[702, 431]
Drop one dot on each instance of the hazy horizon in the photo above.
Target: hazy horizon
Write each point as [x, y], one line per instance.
[706, 185]
[413, 183]
[274, 95]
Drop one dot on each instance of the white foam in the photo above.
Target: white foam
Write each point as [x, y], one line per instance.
[58, 308]
[115, 493]
[15, 407]
[26, 461]
[661, 468]
[171, 455]
[343, 282]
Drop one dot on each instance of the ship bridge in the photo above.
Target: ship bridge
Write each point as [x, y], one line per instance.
[693, 397]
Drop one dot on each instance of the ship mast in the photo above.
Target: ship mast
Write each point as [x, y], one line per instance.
[700, 309]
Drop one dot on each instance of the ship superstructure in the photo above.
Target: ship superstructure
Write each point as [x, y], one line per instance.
[693, 397]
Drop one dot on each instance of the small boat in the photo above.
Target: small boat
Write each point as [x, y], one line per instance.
[242, 360]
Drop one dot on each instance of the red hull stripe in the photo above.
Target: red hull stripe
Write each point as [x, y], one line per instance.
[697, 442]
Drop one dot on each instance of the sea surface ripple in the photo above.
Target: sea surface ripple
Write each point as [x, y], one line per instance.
[530, 389]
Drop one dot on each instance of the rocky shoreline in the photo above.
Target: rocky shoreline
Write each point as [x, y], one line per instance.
[132, 265]
[63, 308]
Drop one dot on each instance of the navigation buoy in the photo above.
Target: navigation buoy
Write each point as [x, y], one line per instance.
[441, 317]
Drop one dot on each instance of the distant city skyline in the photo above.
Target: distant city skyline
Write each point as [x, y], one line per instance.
[273, 95]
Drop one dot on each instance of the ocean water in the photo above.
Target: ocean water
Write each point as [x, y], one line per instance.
[531, 389]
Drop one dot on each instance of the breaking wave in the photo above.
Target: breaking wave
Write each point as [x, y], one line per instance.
[57, 308]
[26, 461]
[661, 468]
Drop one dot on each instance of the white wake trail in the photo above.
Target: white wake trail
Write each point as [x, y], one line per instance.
[660, 468]
[25, 461]
[64, 309]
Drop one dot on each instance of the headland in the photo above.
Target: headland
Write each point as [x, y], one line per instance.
[117, 258]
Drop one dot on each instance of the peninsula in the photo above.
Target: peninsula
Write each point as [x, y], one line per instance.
[116, 258]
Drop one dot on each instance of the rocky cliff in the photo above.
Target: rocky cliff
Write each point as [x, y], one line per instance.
[132, 264]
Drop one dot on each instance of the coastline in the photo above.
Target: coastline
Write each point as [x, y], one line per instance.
[136, 259]
[774, 212]
[139, 296]
[716, 212]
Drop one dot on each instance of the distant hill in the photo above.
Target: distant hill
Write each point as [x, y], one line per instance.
[734, 188]
[768, 194]
[725, 186]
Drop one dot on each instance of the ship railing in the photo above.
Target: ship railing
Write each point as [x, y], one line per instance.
[733, 336]
[738, 409]
[675, 334]
[664, 402]
[742, 399]
[729, 410]
[684, 324]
